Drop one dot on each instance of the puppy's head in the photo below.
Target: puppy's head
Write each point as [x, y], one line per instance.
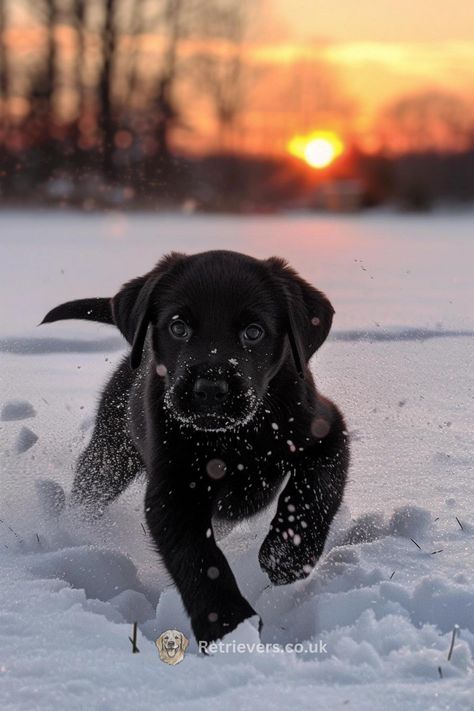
[222, 324]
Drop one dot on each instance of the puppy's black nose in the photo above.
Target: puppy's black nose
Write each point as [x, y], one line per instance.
[210, 392]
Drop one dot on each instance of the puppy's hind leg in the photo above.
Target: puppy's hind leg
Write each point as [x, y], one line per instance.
[110, 462]
[104, 470]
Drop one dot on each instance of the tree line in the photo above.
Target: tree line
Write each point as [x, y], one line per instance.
[95, 93]
[100, 88]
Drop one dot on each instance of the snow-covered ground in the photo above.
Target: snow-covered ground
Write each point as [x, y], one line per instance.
[398, 572]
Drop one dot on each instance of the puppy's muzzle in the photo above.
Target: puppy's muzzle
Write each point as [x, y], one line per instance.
[214, 398]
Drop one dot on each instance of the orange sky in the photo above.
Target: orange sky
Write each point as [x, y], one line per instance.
[376, 50]
[380, 49]
[414, 21]
[335, 64]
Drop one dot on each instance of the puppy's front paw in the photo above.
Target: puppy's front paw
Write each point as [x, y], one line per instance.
[213, 624]
[284, 560]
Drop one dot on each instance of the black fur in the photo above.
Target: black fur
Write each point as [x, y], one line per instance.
[96, 309]
[221, 423]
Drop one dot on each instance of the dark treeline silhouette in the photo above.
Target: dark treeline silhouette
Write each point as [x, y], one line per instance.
[88, 115]
[84, 119]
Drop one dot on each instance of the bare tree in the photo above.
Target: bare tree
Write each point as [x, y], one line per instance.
[79, 21]
[46, 88]
[165, 100]
[3, 64]
[106, 118]
[219, 77]
[431, 120]
[221, 70]
[41, 125]
[137, 24]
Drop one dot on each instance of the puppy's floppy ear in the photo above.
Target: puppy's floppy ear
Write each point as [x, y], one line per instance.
[132, 307]
[160, 642]
[184, 642]
[309, 312]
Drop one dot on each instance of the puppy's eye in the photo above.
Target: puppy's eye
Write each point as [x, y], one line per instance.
[179, 329]
[253, 333]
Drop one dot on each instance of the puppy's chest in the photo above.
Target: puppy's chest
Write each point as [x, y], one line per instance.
[242, 461]
[239, 480]
[213, 462]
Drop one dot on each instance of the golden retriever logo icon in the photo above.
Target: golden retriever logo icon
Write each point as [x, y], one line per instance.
[171, 646]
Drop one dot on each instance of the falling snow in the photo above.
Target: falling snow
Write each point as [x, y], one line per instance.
[162, 370]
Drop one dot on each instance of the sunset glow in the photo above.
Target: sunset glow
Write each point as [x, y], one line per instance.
[318, 150]
[354, 69]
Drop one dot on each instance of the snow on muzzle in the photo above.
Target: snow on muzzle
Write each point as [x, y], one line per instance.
[211, 399]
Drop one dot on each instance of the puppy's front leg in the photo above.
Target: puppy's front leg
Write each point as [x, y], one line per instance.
[180, 524]
[306, 508]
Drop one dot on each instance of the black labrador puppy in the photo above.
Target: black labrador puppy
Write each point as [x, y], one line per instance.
[217, 403]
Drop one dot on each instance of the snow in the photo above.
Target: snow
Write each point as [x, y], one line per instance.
[17, 410]
[25, 440]
[397, 574]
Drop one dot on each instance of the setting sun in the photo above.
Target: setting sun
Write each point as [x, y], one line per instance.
[318, 150]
